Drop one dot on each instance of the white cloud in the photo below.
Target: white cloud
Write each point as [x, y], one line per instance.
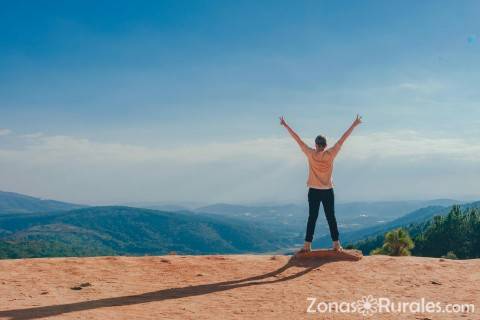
[267, 169]
[428, 86]
[405, 143]
[5, 132]
[55, 149]
[34, 135]
[412, 144]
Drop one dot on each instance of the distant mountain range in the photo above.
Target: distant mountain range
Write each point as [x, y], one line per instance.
[31, 227]
[11, 202]
[290, 220]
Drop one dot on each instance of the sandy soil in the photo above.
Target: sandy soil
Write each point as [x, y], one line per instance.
[228, 287]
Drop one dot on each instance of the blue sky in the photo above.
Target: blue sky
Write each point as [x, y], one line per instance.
[111, 101]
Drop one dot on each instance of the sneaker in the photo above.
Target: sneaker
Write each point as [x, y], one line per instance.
[337, 246]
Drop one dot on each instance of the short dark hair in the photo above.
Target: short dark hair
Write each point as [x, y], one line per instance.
[321, 141]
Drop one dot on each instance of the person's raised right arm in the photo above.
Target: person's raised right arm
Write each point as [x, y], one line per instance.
[294, 135]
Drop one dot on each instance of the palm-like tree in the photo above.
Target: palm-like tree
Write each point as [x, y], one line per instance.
[397, 243]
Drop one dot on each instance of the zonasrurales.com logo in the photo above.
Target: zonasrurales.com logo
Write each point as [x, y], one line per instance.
[367, 306]
[370, 305]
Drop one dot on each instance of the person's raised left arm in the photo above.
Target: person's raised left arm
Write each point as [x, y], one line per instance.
[349, 131]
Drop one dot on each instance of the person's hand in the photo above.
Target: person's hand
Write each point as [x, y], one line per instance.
[358, 120]
[282, 121]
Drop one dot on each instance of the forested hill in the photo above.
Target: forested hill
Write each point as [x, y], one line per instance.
[415, 217]
[126, 230]
[455, 235]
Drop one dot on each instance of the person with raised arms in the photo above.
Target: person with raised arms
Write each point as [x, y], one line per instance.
[320, 182]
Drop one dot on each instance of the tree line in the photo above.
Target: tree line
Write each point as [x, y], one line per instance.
[455, 235]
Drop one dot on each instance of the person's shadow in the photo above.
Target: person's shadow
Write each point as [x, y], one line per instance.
[172, 293]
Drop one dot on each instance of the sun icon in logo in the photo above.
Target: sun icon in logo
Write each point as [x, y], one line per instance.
[367, 305]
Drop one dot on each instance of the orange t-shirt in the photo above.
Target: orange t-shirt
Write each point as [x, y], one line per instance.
[320, 166]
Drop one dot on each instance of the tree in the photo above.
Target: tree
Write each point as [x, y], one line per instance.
[396, 243]
[457, 232]
[450, 255]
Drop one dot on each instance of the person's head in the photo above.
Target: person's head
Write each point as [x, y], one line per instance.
[320, 142]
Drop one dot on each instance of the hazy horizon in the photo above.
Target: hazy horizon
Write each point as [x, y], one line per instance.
[198, 204]
[179, 101]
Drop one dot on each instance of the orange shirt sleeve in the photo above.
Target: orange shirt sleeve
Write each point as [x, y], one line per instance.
[305, 149]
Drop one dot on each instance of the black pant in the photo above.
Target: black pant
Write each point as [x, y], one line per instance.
[326, 197]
